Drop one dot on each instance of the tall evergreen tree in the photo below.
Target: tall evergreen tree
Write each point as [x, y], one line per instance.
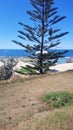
[44, 35]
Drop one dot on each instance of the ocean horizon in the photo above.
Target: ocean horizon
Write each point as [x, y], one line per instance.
[20, 53]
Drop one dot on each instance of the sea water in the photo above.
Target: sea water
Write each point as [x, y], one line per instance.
[19, 53]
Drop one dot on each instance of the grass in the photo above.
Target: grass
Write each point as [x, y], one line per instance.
[61, 119]
[26, 70]
[58, 99]
[21, 108]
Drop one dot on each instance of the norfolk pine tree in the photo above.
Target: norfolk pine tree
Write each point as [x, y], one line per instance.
[43, 33]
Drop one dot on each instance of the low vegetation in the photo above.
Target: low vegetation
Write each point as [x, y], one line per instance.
[58, 99]
[26, 70]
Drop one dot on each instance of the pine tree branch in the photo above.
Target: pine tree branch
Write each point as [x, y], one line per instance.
[58, 36]
[18, 43]
[53, 45]
[56, 20]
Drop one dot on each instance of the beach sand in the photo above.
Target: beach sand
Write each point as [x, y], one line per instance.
[62, 67]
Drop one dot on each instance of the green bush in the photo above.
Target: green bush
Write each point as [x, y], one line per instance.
[58, 99]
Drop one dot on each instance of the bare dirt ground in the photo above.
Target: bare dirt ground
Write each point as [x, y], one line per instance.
[20, 101]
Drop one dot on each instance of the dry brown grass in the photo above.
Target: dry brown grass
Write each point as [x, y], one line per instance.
[20, 103]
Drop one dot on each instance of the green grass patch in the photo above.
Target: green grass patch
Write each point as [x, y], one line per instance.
[58, 99]
[26, 70]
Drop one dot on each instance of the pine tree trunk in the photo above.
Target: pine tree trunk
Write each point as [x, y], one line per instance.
[42, 41]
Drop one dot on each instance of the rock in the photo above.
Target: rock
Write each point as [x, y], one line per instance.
[70, 60]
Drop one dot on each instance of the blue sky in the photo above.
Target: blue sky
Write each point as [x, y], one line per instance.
[14, 11]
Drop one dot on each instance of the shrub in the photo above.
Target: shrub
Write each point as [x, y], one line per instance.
[58, 99]
[7, 69]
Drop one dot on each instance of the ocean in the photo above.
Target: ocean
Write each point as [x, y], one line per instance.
[22, 53]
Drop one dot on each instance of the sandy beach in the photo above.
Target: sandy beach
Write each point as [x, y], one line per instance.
[62, 67]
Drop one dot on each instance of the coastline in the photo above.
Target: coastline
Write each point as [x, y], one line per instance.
[23, 61]
[56, 68]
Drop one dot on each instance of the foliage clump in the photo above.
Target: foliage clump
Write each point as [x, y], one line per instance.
[58, 99]
[6, 70]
